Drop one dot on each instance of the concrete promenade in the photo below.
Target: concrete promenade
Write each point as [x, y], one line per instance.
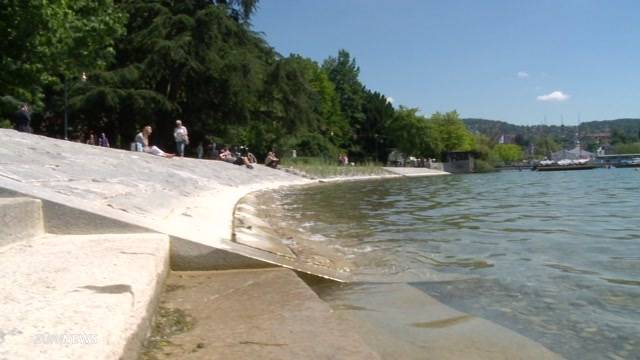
[190, 200]
[82, 267]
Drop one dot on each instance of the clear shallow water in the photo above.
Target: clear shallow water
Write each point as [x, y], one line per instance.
[554, 256]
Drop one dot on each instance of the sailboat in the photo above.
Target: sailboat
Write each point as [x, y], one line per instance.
[574, 159]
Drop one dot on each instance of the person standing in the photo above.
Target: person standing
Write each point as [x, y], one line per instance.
[200, 150]
[23, 119]
[181, 135]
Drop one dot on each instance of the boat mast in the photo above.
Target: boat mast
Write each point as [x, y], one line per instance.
[578, 137]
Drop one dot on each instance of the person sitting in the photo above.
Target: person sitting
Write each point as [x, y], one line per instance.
[272, 161]
[103, 141]
[142, 144]
[92, 139]
[226, 155]
[243, 159]
[343, 160]
[252, 158]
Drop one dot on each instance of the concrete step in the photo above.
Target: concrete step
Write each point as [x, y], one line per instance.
[79, 296]
[20, 219]
[248, 314]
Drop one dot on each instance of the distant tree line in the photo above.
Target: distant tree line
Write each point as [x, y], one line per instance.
[152, 62]
[624, 135]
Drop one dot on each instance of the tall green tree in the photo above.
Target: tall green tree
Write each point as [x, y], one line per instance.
[195, 60]
[43, 42]
[544, 146]
[508, 153]
[454, 135]
[344, 72]
[410, 132]
[374, 139]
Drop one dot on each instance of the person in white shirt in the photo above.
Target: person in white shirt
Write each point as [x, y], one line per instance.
[181, 135]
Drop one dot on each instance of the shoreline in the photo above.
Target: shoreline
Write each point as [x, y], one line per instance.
[466, 335]
[88, 190]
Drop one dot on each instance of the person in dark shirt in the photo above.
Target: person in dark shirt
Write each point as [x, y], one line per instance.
[103, 141]
[23, 119]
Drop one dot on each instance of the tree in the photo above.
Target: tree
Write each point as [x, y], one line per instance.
[46, 41]
[190, 59]
[452, 131]
[378, 113]
[301, 95]
[344, 72]
[410, 132]
[631, 148]
[544, 146]
[508, 153]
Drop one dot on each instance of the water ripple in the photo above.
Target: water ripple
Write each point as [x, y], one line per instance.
[553, 255]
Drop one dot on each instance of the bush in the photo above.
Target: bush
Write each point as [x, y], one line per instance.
[481, 166]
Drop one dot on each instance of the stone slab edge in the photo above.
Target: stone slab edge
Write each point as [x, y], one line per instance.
[20, 219]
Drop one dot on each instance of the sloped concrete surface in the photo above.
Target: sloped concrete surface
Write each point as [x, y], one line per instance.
[79, 297]
[254, 314]
[20, 219]
[191, 200]
[413, 325]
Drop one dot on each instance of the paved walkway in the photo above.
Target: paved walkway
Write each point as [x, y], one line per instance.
[251, 314]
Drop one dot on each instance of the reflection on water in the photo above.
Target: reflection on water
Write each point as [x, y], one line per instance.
[554, 256]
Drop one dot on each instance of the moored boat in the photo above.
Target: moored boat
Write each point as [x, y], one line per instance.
[564, 165]
[635, 162]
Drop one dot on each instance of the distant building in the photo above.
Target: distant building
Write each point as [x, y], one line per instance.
[460, 161]
[600, 138]
[604, 150]
[506, 139]
[573, 154]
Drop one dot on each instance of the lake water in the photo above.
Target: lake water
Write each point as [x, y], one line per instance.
[553, 256]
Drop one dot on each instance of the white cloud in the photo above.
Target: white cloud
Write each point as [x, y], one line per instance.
[522, 74]
[554, 96]
[390, 100]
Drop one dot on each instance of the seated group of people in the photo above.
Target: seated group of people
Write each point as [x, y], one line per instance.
[244, 157]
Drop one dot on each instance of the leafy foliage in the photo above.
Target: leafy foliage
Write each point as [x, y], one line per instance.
[152, 62]
[508, 153]
[45, 41]
[631, 148]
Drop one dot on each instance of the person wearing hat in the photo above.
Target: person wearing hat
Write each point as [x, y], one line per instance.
[181, 135]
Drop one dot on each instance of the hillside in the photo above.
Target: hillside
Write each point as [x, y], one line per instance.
[629, 128]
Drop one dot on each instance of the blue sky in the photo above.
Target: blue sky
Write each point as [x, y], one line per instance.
[512, 60]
